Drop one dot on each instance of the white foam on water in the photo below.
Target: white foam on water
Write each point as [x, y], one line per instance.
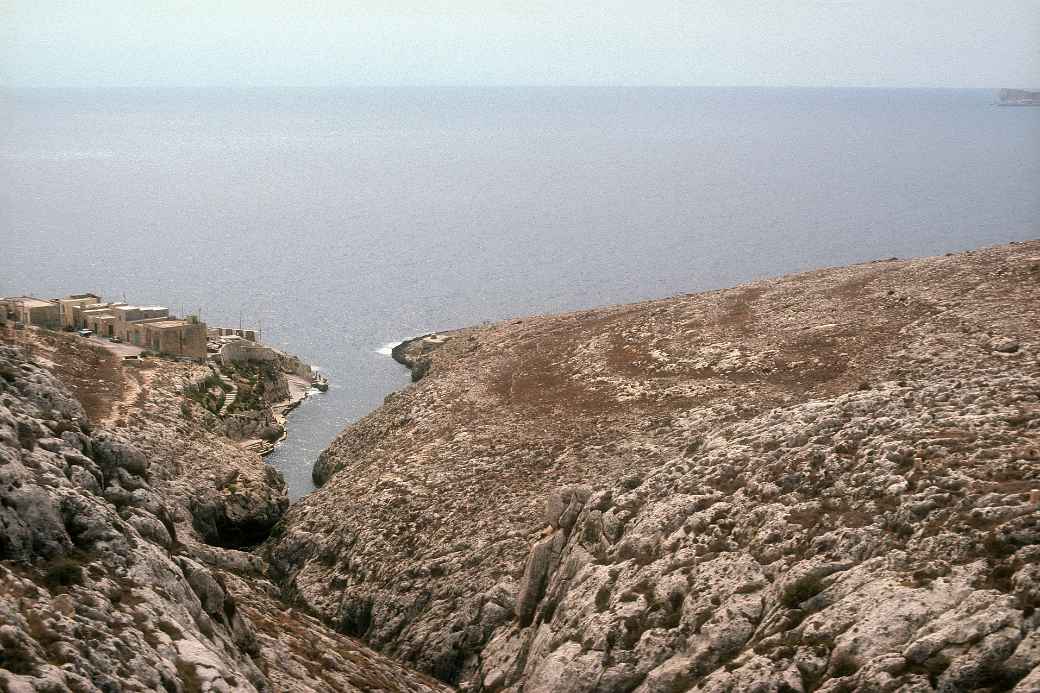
[387, 349]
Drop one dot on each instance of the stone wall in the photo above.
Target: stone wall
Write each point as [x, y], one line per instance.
[245, 351]
[251, 335]
[242, 350]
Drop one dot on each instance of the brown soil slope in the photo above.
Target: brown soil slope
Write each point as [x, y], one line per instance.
[651, 497]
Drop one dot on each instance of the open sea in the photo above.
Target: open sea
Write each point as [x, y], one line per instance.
[344, 220]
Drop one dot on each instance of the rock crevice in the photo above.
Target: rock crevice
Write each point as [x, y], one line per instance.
[106, 580]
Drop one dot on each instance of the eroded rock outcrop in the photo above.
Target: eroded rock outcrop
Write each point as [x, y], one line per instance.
[896, 563]
[106, 582]
[819, 482]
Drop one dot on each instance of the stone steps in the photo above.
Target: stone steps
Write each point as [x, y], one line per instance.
[230, 395]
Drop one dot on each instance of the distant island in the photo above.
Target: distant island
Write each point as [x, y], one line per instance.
[1018, 97]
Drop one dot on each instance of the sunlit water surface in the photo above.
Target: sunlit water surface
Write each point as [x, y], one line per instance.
[344, 220]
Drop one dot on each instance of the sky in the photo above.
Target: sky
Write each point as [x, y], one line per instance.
[869, 43]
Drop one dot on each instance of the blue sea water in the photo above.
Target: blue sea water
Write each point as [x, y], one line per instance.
[346, 219]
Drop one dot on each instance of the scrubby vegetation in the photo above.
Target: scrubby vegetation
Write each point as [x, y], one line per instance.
[253, 382]
[208, 393]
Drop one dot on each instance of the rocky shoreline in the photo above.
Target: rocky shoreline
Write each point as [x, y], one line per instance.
[821, 482]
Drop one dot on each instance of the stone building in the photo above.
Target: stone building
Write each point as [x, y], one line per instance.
[149, 327]
[171, 337]
[70, 306]
[98, 317]
[102, 323]
[127, 315]
[32, 311]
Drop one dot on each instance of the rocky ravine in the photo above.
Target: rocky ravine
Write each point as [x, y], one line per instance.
[114, 571]
[822, 482]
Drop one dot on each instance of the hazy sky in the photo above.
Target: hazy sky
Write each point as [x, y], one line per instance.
[977, 43]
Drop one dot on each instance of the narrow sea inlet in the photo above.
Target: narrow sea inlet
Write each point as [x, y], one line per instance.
[485, 374]
[344, 219]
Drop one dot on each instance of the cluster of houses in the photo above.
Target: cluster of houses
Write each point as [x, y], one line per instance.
[148, 327]
[151, 328]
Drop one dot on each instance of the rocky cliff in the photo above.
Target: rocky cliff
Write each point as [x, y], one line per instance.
[822, 482]
[416, 353]
[114, 569]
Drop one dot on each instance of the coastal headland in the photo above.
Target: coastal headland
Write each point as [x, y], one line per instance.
[826, 481]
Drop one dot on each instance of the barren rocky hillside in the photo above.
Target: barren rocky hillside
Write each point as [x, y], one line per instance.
[821, 482]
[114, 569]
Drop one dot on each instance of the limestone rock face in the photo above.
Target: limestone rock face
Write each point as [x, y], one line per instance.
[106, 583]
[822, 482]
[253, 425]
[883, 579]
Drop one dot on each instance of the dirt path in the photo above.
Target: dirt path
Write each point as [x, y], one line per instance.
[93, 374]
[118, 348]
[94, 371]
[137, 381]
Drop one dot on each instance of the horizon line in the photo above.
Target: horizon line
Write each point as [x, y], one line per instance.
[500, 86]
